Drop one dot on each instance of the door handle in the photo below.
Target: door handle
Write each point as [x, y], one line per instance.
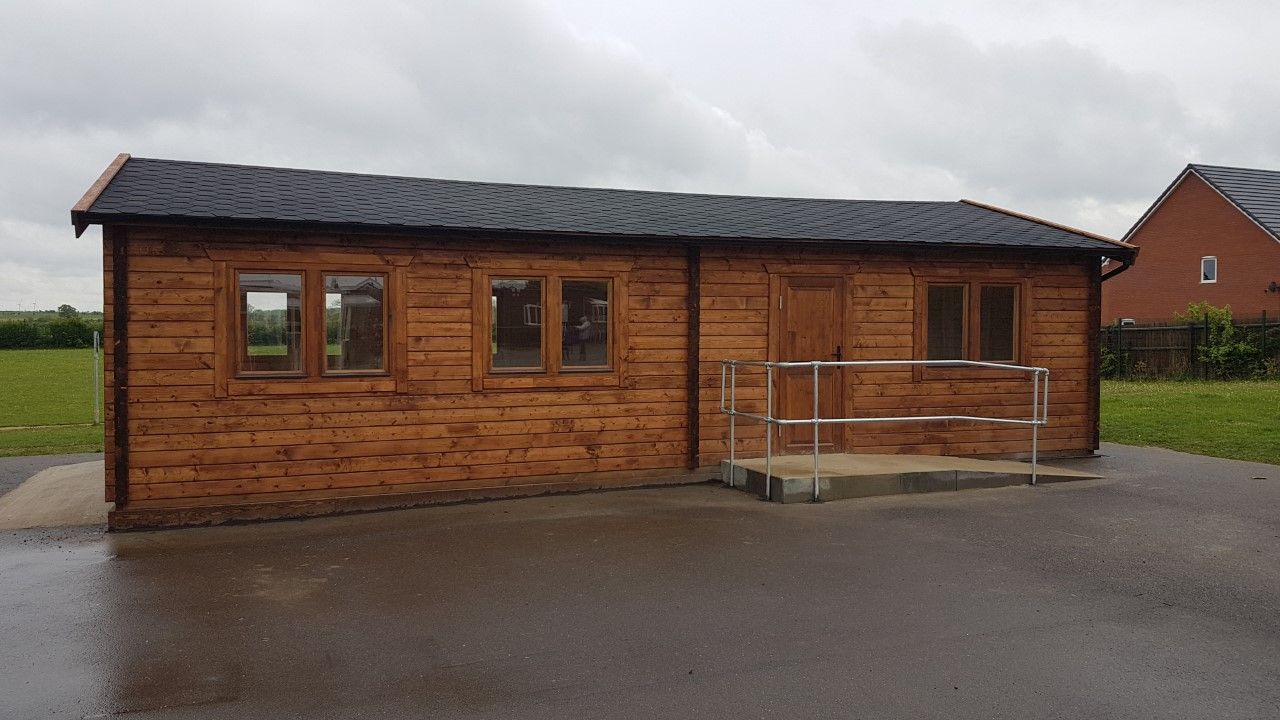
[838, 354]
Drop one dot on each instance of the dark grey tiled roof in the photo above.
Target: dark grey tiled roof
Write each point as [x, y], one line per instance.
[1256, 192]
[168, 190]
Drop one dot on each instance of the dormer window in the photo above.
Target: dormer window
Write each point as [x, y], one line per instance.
[1209, 269]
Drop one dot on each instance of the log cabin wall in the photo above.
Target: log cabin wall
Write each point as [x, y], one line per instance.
[198, 440]
[199, 437]
[739, 293]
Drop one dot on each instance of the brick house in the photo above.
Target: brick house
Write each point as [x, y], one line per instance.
[1213, 235]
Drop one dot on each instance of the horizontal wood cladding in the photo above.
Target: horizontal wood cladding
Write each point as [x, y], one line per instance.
[196, 444]
[275, 440]
[880, 324]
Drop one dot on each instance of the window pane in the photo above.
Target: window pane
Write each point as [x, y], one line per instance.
[271, 315]
[997, 318]
[353, 319]
[516, 322]
[1209, 269]
[585, 312]
[946, 322]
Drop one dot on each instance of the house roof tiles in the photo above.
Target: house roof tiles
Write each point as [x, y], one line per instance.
[153, 190]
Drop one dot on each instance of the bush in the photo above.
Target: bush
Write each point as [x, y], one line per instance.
[18, 334]
[1228, 352]
[65, 332]
[1108, 363]
[59, 331]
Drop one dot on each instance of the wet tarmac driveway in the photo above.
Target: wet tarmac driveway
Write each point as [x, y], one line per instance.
[1153, 593]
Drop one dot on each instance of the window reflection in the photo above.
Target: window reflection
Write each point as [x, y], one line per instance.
[271, 322]
[354, 318]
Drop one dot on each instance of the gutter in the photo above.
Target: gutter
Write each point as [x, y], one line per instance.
[1125, 264]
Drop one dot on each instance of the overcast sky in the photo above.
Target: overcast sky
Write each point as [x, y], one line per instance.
[1078, 111]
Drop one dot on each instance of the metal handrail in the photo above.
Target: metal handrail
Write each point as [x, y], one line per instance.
[729, 381]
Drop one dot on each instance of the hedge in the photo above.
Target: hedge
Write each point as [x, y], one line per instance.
[50, 332]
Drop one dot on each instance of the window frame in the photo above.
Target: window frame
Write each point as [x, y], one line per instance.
[322, 330]
[612, 324]
[315, 377]
[966, 330]
[972, 331]
[239, 348]
[1214, 258]
[543, 346]
[553, 373]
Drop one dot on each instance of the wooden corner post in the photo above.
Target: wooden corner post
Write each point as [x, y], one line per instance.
[120, 360]
[693, 258]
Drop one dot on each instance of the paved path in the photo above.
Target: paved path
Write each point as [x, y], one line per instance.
[1153, 593]
[15, 470]
[59, 496]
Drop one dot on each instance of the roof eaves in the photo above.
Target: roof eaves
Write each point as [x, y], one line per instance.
[453, 231]
[80, 209]
[1133, 249]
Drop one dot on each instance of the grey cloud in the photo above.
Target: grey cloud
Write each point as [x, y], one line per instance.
[1034, 121]
[816, 101]
[495, 91]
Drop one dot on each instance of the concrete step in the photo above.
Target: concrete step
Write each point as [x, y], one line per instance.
[846, 475]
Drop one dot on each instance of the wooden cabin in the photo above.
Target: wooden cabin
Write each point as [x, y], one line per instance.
[287, 342]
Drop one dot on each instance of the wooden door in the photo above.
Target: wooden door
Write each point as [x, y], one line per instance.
[810, 326]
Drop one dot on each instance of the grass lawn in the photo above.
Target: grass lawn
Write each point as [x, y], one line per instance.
[52, 388]
[1239, 419]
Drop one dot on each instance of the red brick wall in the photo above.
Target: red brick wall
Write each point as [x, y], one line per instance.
[1195, 221]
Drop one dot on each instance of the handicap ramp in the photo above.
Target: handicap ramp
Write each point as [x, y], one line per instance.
[846, 475]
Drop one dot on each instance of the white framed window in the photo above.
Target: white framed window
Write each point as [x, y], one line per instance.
[1209, 269]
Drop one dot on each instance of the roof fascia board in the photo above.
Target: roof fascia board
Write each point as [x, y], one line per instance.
[1049, 223]
[79, 211]
[464, 233]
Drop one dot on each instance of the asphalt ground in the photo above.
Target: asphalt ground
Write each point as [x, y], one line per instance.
[1152, 593]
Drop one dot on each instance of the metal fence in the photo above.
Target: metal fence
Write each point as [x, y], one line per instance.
[1170, 350]
[729, 405]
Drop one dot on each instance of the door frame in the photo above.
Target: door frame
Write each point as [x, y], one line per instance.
[777, 282]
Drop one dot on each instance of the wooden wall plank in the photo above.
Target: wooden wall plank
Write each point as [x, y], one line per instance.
[434, 427]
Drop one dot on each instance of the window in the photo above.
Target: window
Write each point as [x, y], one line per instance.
[354, 322]
[584, 324]
[521, 330]
[969, 320]
[515, 323]
[547, 329]
[310, 323]
[1209, 269]
[998, 314]
[946, 322]
[271, 323]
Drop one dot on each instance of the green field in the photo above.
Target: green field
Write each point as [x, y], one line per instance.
[46, 408]
[1237, 419]
[46, 402]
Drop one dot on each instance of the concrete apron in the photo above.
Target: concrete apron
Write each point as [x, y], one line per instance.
[61, 496]
[846, 475]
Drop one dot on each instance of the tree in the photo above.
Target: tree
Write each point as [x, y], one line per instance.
[68, 312]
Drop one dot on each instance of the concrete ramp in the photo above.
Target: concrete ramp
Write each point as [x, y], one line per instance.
[846, 475]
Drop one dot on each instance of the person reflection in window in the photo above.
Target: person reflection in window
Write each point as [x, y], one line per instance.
[583, 330]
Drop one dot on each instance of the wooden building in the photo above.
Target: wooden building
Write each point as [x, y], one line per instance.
[1212, 236]
[290, 342]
